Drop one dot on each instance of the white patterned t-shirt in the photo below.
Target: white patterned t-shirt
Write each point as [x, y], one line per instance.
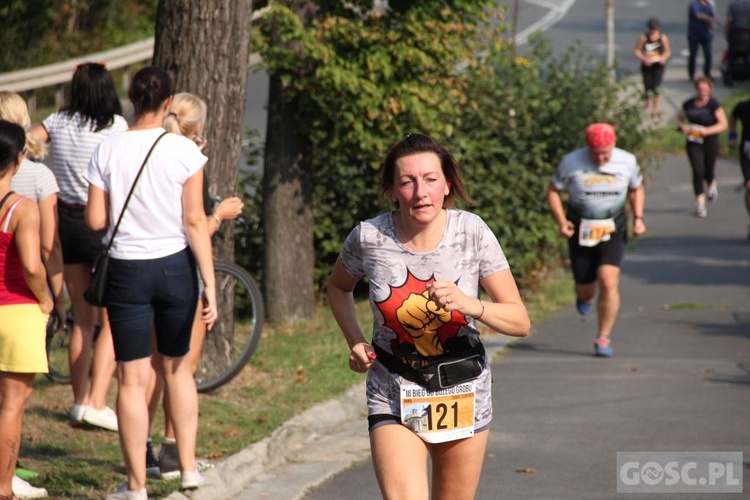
[404, 323]
[34, 181]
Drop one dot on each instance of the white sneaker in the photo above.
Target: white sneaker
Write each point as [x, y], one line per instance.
[712, 193]
[190, 480]
[123, 493]
[700, 211]
[22, 489]
[76, 414]
[105, 418]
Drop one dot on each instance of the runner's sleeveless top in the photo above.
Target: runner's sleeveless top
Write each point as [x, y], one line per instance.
[653, 50]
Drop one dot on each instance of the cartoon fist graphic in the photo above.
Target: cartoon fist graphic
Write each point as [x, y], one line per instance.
[422, 318]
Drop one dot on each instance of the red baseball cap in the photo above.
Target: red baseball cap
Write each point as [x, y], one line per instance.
[600, 135]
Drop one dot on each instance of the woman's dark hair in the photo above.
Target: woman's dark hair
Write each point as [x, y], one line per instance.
[150, 88]
[419, 143]
[93, 96]
[12, 142]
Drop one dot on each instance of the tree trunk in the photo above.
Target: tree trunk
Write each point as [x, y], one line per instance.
[289, 259]
[204, 46]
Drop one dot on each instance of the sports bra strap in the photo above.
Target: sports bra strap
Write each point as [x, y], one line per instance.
[5, 198]
[9, 214]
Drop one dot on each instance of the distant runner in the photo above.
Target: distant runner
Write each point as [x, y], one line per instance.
[599, 179]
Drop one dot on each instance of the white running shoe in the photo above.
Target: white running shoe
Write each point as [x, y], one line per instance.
[22, 489]
[202, 465]
[190, 480]
[700, 211]
[712, 193]
[105, 418]
[123, 493]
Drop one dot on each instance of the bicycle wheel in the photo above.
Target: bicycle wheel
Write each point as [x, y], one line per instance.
[57, 343]
[234, 337]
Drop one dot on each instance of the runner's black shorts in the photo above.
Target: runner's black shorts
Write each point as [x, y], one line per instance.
[585, 261]
[652, 77]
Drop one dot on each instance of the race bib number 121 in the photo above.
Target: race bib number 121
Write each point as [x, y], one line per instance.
[440, 416]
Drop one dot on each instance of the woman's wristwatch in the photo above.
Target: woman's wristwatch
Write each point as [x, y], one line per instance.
[218, 220]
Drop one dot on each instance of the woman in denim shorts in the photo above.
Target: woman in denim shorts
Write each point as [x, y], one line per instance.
[152, 278]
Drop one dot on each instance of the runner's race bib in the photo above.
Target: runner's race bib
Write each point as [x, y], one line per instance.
[439, 416]
[591, 232]
[695, 135]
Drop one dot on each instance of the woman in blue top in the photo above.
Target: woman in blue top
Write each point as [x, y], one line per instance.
[701, 18]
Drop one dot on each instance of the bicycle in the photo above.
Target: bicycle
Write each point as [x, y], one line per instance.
[57, 344]
[226, 349]
[234, 337]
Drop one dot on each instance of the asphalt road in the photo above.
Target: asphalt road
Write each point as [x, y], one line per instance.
[583, 21]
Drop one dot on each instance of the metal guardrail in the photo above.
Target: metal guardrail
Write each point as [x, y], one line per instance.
[58, 73]
[55, 75]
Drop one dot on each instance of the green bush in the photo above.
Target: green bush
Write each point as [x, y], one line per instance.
[370, 80]
[39, 32]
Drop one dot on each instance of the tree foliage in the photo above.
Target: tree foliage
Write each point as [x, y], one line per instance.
[365, 80]
[47, 31]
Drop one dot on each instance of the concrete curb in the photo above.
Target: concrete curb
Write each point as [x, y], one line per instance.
[314, 444]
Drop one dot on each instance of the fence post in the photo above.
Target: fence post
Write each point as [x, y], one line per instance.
[59, 96]
[126, 78]
[31, 103]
